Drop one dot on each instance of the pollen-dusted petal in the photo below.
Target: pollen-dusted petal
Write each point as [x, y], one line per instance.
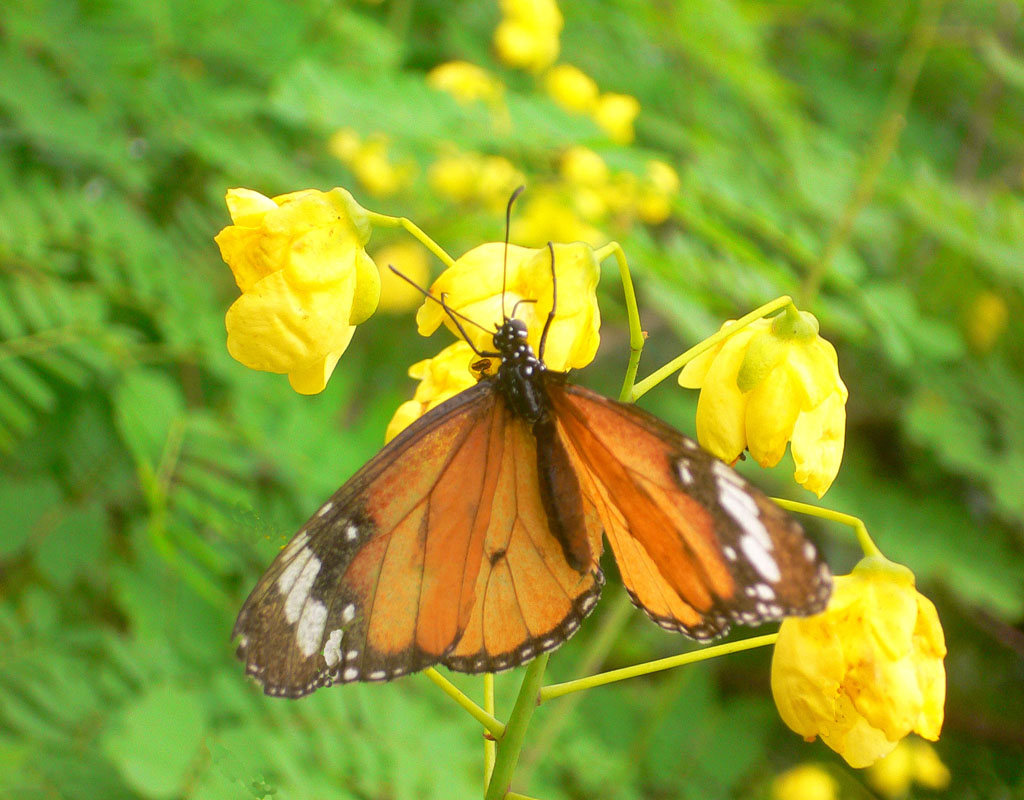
[278, 328]
[819, 437]
[772, 411]
[868, 670]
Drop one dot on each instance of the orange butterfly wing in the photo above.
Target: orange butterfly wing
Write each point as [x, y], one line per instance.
[437, 551]
[697, 546]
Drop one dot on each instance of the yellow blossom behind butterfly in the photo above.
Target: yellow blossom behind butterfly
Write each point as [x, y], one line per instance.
[868, 670]
[616, 114]
[473, 287]
[805, 782]
[775, 381]
[305, 278]
[440, 377]
[913, 761]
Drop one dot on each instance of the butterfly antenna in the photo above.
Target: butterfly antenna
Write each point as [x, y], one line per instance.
[504, 263]
[554, 304]
[453, 315]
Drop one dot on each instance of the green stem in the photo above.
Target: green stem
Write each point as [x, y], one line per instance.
[866, 543]
[490, 745]
[636, 331]
[493, 726]
[560, 689]
[883, 145]
[511, 743]
[384, 221]
[677, 363]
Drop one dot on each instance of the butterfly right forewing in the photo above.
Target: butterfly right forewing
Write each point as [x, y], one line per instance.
[698, 547]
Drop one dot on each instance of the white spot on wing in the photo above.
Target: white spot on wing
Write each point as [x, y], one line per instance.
[325, 509]
[350, 674]
[743, 509]
[760, 558]
[332, 650]
[351, 655]
[301, 586]
[351, 532]
[683, 470]
[348, 614]
[291, 573]
[310, 632]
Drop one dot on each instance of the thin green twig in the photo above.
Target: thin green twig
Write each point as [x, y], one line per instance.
[511, 743]
[493, 726]
[867, 544]
[603, 678]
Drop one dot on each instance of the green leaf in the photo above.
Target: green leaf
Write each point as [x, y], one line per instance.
[146, 405]
[155, 741]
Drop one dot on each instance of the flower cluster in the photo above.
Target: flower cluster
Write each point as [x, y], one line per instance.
[371, 162]
[528, 35]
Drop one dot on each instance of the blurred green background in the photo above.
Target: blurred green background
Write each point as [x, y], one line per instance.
[867, 157]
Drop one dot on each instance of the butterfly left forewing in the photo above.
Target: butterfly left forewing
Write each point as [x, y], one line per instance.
[380, 580]
[698, 547]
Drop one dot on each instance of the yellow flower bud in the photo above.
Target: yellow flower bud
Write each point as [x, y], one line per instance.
[527, 37]
[582, 166]
[548, 216]
[657, 188]
[441, 377]
[805, 782]
[616, 113]
[410, 258]
[374, 170]
[466, 82]
[985, 321]
[306, 281]
[775, 381]
[572, 88]
[868, 670]
[344, 144]
[913, 761]
[472, 286]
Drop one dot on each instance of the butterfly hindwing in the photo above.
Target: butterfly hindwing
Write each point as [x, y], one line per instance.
[698, 547]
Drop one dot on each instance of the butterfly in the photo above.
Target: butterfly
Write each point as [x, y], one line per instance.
[473, 539]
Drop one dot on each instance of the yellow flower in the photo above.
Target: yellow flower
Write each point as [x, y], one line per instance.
[659, 185]
[475, 178]
[549, 216]
[986, 320]
[441, 377]
[344, 144]
[913, 761]
[373, 168]
[466, 82]
[615, 113]
[868, 670]
[306, 281]
[571, 88]
[472, 286]
[773, 382]
[409, 258]
[805, 782]
[527, 37]
[582, 166]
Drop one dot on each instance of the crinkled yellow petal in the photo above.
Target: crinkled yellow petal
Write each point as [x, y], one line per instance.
[251, 253]
[867, 671]
[313, 379]
[695, 372]
[772, 410]
[721, 407]
[473, 285]
[366, 296]
[247, 207]
[441, 377]
[815, 364]
[277, 328]
[819, 437]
